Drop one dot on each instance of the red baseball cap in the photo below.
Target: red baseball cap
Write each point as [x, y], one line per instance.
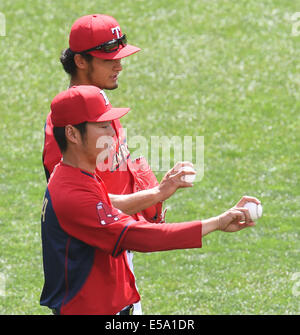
[84, 103]
[93, 30]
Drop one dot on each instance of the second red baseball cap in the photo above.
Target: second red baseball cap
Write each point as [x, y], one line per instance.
[93, 30]
[83, 103]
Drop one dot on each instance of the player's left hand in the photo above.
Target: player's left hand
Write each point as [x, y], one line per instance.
[238, 217]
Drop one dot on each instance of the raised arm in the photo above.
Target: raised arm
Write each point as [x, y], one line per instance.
[136, 202]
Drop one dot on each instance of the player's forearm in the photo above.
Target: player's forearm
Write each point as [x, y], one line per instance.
[136, 202]
[145, 237]
[168, 236]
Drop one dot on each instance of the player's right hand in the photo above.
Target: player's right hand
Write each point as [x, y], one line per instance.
[172, 180]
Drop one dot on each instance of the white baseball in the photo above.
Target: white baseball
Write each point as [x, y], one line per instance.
[188, 178]
[255, 210]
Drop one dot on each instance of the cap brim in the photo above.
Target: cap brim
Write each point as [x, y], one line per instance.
[113, 114]
[121, 53]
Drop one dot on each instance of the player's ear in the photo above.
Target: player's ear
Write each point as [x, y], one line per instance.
[72, 134]
[80, 62]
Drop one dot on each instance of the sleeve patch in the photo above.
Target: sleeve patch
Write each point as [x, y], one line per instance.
[107, 214]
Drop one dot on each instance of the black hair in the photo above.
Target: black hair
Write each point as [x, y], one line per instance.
[68, 63]
[60, 135]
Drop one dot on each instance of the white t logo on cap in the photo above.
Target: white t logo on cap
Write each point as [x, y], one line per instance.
[104, 97]
[116, 30]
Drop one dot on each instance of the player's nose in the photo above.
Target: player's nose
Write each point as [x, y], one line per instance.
[118, 65]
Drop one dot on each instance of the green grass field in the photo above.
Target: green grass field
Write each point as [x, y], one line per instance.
[225, 70]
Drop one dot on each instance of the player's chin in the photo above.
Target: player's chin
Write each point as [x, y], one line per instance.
[112, 86]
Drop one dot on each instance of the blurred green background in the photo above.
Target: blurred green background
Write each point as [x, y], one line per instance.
[225, 70]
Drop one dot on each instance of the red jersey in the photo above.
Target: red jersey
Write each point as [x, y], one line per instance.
[84, 241]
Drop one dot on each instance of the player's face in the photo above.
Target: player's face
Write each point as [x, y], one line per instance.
[104, 73]
[98, 141]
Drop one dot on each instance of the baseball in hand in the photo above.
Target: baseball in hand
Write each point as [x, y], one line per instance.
[255, 210]
[188, 178]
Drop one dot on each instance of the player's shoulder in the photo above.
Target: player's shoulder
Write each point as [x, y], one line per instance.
[73, 190]
[48, 120]
[67, 180]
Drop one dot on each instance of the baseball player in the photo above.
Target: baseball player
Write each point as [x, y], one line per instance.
[96, 47]
[84, 236]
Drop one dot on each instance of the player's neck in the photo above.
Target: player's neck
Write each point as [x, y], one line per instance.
[77, 81]
[78, 162]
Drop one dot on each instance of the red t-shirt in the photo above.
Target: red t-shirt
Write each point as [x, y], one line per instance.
[84, 241]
